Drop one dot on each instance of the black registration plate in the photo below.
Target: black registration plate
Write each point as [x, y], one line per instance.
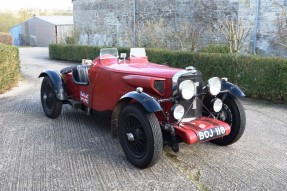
[211, 133]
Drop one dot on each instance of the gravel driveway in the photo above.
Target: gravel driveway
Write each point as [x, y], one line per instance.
[76, 151]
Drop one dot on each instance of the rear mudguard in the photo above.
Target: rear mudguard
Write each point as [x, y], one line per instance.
[233, 89]
[148, 102]
[57, 81]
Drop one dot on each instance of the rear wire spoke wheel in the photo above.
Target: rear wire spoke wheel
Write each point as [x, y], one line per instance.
[140, 136]
[51, 105]
[233, 114]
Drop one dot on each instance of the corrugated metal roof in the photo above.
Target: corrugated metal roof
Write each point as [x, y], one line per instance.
[57, 20]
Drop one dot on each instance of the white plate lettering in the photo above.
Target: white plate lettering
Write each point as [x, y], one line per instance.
[211, 133]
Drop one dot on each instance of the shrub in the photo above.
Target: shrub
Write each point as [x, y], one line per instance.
[5, 38]
[258, 77]
[9, 67]
[70, 40]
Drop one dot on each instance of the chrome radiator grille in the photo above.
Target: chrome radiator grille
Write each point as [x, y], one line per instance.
[193, 107]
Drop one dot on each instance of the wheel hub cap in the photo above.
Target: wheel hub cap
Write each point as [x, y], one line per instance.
[45, 97]
[222, 116]
[130, 136]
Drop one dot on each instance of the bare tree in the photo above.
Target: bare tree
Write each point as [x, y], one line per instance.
[281, 30]
[158, 34]
[234, 33]
[184, 36]
[74, 37]
[151, 33]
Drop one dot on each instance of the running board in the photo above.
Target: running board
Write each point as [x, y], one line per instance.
[74, 104]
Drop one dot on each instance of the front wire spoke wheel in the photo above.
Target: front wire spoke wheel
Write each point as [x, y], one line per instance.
[225, 115]
[137, 145]
[140, 135]
[233, 114]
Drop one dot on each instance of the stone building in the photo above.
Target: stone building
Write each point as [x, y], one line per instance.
[178, 24]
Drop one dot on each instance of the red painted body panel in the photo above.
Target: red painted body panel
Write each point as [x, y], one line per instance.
[136, 67]
[189, 131]
[75, 90]
[110, 79]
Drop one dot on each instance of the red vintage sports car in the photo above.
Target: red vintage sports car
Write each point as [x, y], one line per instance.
[150, 105]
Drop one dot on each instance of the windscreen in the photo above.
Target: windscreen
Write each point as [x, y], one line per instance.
[109, 53]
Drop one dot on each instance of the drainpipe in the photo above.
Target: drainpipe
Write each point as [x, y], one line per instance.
[56, 33]
[256, 25]
[134, 8]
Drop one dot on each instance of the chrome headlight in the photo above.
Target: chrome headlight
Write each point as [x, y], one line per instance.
[177, 111]
[214, 86]
[216, 104]
[187, 89]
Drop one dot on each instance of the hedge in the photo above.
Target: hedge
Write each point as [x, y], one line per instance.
[215, 48]
[9, 67]
[258, 77]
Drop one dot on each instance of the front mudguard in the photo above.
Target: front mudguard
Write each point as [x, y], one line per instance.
[148, 103]
[57, 82]
[232, 89]
[227, 88]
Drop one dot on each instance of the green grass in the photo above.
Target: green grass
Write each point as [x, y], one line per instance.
[191, 173]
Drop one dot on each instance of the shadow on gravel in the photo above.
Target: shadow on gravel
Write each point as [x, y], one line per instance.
[77, 133]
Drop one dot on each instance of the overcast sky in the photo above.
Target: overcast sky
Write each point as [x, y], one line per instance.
[36, 4]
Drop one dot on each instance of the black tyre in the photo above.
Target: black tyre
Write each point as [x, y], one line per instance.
[232, 113]
[51, 105]
[140, 136]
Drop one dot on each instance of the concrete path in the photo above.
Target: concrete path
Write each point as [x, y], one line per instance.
[76, 152]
